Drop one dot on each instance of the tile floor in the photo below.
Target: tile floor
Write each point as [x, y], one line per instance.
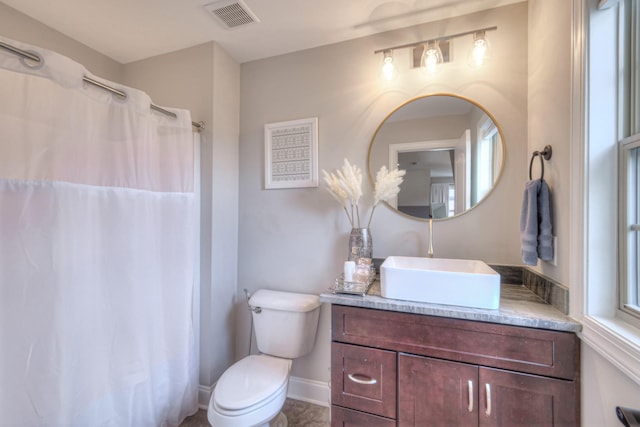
[299, 414]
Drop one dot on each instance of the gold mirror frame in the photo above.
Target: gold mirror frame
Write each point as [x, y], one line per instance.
[433, 95]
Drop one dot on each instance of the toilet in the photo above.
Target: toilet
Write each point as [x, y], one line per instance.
[253, 390]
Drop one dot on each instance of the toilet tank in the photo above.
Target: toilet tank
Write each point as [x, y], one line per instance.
[286, 322]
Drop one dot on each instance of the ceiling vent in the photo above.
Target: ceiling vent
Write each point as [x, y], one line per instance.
[232, 13]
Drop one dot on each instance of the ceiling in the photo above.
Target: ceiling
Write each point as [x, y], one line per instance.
[131, 30]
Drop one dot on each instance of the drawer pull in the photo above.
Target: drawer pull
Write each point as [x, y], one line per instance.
[487, 387]
[470, 396]
[362, 379]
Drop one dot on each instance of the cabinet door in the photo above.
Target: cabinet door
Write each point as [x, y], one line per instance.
[364, 378]
[342, 417]
[514, 399]
[435, 392]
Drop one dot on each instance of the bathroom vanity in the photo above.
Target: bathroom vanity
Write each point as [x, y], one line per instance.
[412, 364]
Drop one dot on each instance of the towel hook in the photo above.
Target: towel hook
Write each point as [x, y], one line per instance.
[544, 154]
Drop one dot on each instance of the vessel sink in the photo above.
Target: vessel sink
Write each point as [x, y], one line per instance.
[461, 282]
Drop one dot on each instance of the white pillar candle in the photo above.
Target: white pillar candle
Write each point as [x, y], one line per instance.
[349, 269]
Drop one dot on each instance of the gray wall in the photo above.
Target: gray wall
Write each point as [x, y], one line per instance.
[17, 26]
[295, 239]
[550, 113]
[417, 130]
[206, 80]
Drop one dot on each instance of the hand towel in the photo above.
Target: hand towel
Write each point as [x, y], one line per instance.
[529, 223]
[545, 233]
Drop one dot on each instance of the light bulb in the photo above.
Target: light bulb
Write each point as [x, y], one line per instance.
[389, 70]
[479, 50]
[432, 56]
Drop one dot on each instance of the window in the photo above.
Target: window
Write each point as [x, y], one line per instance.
[488, 157]
[629, 165]
[452, 200]
[605, 174]
[630, 225]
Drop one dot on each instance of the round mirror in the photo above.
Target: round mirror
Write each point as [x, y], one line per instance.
[452, 149]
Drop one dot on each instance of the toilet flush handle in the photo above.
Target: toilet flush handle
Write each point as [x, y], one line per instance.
[247, 296]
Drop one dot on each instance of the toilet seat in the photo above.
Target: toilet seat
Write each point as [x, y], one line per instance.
[250, 383]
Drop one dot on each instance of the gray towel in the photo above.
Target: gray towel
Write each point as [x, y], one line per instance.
[545, 233]
[529, 223]
[536, 233]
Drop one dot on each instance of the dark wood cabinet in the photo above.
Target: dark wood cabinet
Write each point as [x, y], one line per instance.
[416, 370]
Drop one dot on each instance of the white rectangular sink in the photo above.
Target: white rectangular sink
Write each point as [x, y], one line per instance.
[461, 282]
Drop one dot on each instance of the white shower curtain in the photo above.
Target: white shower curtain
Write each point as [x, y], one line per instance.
[97, 252]
[440, 193]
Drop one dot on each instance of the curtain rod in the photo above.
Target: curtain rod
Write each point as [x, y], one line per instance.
[123, 95]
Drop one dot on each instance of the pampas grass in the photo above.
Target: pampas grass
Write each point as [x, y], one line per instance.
[345, 185]
[387, 187]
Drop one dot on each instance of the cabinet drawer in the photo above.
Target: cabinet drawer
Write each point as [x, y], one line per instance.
[536, 351]
[343, 417]
[364, 378]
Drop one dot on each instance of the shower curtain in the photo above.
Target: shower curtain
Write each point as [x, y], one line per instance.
[439, 193]
[97, 252]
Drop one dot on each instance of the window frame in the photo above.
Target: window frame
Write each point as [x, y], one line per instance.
[594, 171]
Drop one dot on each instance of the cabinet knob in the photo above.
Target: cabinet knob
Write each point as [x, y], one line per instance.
[362, 379]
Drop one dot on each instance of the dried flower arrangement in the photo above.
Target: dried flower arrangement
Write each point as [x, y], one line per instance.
[346, 187]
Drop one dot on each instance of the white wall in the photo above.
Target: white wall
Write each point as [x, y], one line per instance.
[296, 239]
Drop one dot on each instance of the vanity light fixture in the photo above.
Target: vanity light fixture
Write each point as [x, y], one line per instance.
[432, 54]
[389, 69]
[479, 51]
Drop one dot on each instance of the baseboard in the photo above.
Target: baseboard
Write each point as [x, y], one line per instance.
[316, 392]
[204, 395]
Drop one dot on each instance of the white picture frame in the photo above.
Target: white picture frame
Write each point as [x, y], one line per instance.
[291, 154]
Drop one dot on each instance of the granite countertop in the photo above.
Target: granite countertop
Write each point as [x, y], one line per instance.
[518, 306]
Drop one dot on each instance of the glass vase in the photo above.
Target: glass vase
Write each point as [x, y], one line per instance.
[360, 244]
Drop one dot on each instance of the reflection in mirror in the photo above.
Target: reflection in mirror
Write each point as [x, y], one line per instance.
[451, 148]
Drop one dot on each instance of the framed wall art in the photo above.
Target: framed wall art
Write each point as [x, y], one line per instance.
[291, 154]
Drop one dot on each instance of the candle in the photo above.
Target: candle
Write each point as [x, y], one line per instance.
[349, 268]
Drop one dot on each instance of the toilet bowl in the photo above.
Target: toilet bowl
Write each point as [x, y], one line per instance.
[253, 390]
[250, 393]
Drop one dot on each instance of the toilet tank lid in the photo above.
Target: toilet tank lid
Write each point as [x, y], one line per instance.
[284, 301]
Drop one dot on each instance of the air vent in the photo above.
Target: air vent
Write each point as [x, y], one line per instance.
[232, 13]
